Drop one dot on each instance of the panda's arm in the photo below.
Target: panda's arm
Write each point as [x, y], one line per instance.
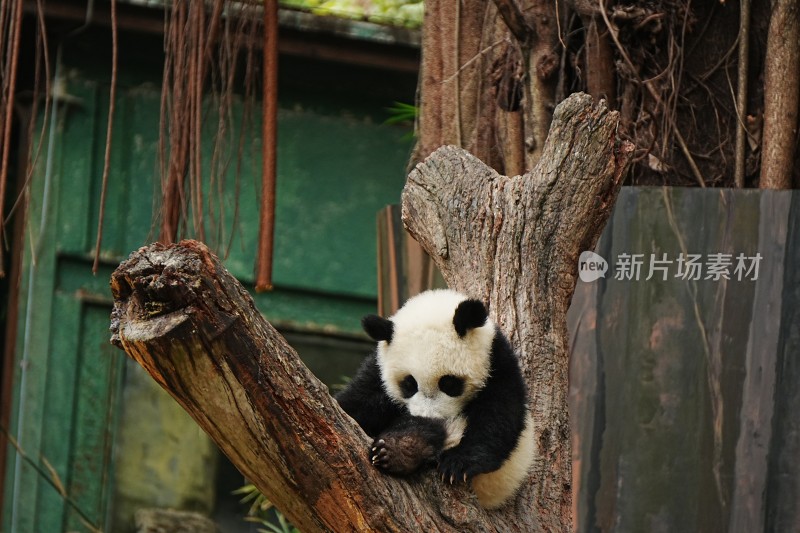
[366, 401]
[409, 444]
[495, 419]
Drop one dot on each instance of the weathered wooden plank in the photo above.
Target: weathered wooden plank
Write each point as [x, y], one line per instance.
[404, 269]
[681, 366]
[783, 481]
[585, 404]
[95, 412]
[750, 472]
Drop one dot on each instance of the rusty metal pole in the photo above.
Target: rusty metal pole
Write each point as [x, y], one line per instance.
[269, 155]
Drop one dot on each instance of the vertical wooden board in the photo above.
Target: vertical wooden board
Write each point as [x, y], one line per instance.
[588, 376]
[653, 392]
[390, 276]
[404, 269]
[652, 382]
[422, 273]
[96, 405]
[747, 510]
[613, 327]
[59, 405]
[33, 342]
[142, 184]
[19, 511]
[718, 222]
[78, 141]
[584, 405]
[720, 311]
[726, 317]
[664, 385]
[114, 227]
[671, 364]
[783, 481]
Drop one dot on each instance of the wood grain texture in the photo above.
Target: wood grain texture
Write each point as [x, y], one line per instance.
[685, 392]
[515, 242]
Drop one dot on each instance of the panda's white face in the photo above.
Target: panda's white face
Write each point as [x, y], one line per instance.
[427, 365]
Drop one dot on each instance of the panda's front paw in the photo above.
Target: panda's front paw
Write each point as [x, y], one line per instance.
[455, 467]
[399, 453]
[379, 454]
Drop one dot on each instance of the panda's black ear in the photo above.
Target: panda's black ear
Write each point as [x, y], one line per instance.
[469, 314]
[380, 329]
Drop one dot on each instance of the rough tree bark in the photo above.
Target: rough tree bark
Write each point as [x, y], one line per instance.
[781, 95]
[598, 64]
[513, 241]
[487, 79]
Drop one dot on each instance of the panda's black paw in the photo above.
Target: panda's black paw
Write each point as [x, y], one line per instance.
[399, 453]
[392, 455]
[379, 454]
[455, 467]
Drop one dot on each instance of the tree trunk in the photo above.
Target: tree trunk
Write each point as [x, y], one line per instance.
[487, 80]
[513, 241]
[781, 95]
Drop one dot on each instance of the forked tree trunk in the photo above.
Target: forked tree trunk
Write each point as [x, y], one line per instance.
[513, 241]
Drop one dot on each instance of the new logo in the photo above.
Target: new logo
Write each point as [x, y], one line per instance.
[591, 266]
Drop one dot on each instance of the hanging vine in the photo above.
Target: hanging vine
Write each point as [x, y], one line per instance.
[10, 33]
[205, 44]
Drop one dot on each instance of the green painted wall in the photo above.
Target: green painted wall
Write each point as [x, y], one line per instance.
[77, 402]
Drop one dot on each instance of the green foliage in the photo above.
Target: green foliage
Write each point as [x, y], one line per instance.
[260, 509]
[401, 113]
[282, 527]
[406, 13]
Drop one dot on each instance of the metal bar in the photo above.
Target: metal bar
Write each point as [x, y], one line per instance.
[269, 155]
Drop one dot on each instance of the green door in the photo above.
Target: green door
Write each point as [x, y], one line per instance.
[338, 164]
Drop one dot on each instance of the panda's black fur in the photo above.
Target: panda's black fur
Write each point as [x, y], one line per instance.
[485, 437]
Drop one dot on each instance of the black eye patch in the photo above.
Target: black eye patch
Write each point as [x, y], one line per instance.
[408, 386]
[451, 385]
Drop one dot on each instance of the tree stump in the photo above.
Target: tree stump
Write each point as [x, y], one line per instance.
[512, 241]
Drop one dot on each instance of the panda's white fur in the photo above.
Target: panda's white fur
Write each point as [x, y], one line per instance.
[494, 489]
[425, 344]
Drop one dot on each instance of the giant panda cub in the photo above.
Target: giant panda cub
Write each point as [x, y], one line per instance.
[444, 386]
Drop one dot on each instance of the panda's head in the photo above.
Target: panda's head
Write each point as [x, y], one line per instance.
[434, 353]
